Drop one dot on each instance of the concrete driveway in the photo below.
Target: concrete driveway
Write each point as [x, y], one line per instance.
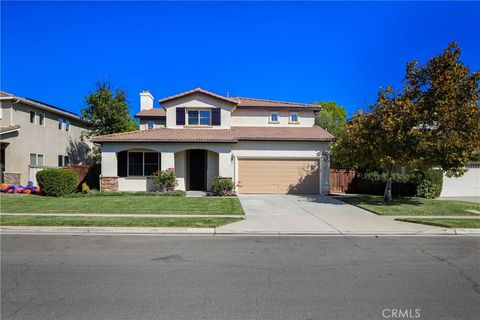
[315, 214]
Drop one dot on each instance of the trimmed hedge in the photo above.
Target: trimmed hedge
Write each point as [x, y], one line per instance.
[57, 182]
[420, 184]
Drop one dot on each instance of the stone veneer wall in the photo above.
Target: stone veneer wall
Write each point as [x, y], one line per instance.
[108, 183]
[12, 178]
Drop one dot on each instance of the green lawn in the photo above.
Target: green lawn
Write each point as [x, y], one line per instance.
[120, 204]
[64, 221]
[410, 206]
[447, 223]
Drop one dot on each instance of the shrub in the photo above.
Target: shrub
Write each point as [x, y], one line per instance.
[85, 188]
[164, 180]
[57, 182]
[374, 183]
[430, 185]
[95, 193]
[222, 186]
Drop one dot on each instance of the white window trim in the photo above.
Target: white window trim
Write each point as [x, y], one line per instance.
[290, 118]
[198, 125]
[143, 162]
[34, 117]
[36, 159]
[270, 117]
[44, 119]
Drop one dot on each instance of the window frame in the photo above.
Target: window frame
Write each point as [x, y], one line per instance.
[34, 118]
[143, 162]
[60, 123]
[198, 124]
[270, 117]
[36, 155]
[63, 161]
[290, 120]
[67, 125]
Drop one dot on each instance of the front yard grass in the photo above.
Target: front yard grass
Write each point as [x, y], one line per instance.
[411, 206]
[120, 204]
[447, 223]
[66, 221]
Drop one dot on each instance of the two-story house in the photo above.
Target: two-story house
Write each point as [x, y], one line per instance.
[264, 146]
[35, 135]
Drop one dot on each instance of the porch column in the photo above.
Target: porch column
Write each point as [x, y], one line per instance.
[109, 178]
[225, 165]
[167, 160]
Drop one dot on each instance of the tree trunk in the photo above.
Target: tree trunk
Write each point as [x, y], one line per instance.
[388, 188]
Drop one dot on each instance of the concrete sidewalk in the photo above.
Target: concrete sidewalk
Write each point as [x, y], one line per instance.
[136, 215]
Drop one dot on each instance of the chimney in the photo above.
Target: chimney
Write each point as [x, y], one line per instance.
[146, 100]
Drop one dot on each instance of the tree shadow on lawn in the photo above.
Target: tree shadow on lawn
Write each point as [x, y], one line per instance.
[379, 201]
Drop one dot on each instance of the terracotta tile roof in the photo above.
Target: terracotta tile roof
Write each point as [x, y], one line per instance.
[170, 135]
[259, 103]
[232, 135]
[5, 94]
[198, 90]
[155, 112]
[281, 133]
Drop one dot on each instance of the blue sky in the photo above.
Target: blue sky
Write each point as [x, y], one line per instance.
[55, 51]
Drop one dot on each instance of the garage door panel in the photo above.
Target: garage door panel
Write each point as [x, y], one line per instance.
[278, 176]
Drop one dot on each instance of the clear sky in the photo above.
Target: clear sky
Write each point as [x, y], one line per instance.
[312, 51]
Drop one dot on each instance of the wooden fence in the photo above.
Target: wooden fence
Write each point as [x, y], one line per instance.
[342, 181]
[81, 170]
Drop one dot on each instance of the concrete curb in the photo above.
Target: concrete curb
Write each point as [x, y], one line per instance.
[213, 232]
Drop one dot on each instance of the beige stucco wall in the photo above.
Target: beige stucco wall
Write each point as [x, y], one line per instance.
[198, 100]
[258, 117]
[222, 158]
[157, 123]
[34, 138]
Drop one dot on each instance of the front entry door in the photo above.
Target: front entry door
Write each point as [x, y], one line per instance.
[197, 169]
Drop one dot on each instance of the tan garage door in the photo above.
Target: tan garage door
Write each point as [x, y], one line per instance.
[278, 176]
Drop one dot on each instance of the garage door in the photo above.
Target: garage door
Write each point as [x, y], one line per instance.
[278, 176]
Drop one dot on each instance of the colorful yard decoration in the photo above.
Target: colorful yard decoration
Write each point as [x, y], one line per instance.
[29, 189]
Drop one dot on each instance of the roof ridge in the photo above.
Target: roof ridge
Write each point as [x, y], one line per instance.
[198, 89]
[277, 101]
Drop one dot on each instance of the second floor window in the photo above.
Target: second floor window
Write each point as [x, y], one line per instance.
[67, 125]
[199, 117]
[60, 124]
[32, 116]
[274, 117]
[149, 125]
[41, 119]
[293, 117]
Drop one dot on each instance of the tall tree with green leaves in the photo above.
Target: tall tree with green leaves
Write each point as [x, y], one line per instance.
[333, 117]
[107, 111]
[433, 122]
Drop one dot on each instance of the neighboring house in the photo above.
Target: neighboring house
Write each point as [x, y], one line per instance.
[35, 135]
[467, 185]
[265, 146]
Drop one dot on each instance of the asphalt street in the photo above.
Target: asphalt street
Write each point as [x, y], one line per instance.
[193, 277]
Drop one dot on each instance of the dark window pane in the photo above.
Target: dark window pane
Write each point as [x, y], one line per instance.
[67, 125]
[60, 161]
[32, 116]
[135, 163]
[66, 161]
[205, 117]
[60, 124]
[151, 163]
[193, 117]
[41, 118]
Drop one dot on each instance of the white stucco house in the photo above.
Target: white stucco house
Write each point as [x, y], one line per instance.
[264, 146]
